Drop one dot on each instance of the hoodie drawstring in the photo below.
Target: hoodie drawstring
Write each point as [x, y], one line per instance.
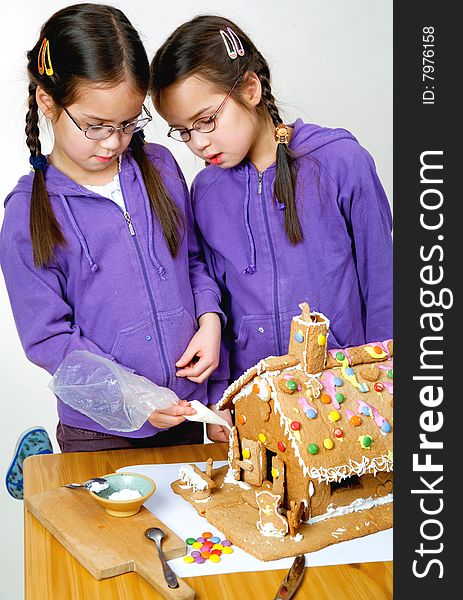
[93, 266]
[149, 217]
[251, 268]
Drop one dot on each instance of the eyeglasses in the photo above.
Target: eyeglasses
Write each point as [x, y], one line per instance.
[202, 125]
[102, 132]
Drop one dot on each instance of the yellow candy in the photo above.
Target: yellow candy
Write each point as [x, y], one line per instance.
[217, 547]
[262, 438]
[275, 473]
[214, 558]
[188, 559]
[328, 443]
[227, 550]
[196, 545]
[334, 415]
[246, 453]
[321, 339]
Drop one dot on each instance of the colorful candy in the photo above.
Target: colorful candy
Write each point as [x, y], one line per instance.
[329, 444]
[355, 420]
[337, 381]
[340, 397]
[210, 548]
[338, 432]
[334, 416]
[379, 387]
[295, 425]
[281, 446]
[313, 448]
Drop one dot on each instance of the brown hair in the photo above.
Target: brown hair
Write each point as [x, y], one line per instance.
[196, 47]
[89, 43]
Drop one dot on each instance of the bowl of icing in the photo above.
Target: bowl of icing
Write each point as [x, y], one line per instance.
[126, 493]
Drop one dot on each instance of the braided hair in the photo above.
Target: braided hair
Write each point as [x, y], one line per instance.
[80, 37]
[197, 48]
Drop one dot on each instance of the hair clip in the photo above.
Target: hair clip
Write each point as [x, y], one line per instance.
[237, 42]
[232, 43]
[281, 134]
[44, 56]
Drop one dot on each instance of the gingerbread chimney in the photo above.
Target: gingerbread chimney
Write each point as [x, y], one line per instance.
[308, 339]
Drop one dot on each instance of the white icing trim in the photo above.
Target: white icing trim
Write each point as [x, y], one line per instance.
[191, 478]
[357, 505]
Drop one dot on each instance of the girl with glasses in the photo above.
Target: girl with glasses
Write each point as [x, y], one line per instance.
[287, 213]
[97, 245]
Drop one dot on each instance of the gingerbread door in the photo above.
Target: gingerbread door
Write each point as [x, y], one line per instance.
[253, 463]
[278, 476]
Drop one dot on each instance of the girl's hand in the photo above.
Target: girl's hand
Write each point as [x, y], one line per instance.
[172, 415]
[201, 356]
[219, 433]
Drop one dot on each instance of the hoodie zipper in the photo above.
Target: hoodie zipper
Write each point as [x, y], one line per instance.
[165, 362]
[274, 265]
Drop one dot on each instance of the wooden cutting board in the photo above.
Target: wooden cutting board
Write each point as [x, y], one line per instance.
[107, 546]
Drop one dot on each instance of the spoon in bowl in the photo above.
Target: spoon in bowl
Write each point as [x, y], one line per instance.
[95, 484]
[156, 534]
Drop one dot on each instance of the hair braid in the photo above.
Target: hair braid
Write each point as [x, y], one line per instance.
[45, 230]
[285, 178]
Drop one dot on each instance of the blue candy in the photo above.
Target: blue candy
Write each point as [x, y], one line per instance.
[337, 381]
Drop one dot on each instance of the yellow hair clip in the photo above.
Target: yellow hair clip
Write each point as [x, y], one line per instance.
[281, 134]
[44, 57]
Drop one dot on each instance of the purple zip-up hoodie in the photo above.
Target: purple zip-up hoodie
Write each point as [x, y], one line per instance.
[343, 267]
[114, 290]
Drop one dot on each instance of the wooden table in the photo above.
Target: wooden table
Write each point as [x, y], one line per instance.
[52, 573]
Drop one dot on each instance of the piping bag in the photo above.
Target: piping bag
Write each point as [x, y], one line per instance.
[206, 415]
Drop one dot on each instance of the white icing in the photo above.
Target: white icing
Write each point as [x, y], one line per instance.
[230, 478]
[298, 537]
[311, 489]
[125, 494]
[189, 476]
[355, 506]
[338, 532]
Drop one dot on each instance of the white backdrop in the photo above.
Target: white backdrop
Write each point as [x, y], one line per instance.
[331, 64]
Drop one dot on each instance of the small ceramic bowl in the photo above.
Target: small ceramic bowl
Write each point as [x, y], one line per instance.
[125, 481]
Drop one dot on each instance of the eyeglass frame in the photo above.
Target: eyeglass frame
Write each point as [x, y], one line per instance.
[110, 128]
[212, 118]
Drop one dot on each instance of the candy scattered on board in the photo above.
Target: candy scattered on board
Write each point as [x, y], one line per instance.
[207, 547]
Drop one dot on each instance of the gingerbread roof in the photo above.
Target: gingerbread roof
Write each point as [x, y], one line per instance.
[337, 422]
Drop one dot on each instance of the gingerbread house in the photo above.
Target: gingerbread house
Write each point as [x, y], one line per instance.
[312, 439]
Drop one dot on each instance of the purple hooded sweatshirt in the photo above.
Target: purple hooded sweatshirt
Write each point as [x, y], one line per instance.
[342, 268]
[115, 290]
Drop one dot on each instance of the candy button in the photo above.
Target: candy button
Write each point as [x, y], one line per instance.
[349, 371]
[206, 554]
[291, 385]
[226, 543]
[217, 546]
[204, 549]
[299, 337]
[200, 560]
[190, 541]
[321, 339]
[325, 398]
[385, 427]
[281, 446]
[246, 453]
[363, 387]
[228, 550]
[195, 553]
[262, 438]
[365, 411]
[275, 473]
[207, 535]
[313, 449]
[390, 374]
[337, 381]
[334, 415]
[367, 441]
[355, 420]
[378, 350]
[241, 419]
[379, 387]
[201, 539]
[310, 413]
[189, 559]
[295, 425]
[215, 540]
[214, 558]
[196, 544]
[339, 398]
[329, 444]
[216, 551]
[337, 432]
[340, 356]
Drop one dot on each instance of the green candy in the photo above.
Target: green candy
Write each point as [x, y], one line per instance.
[340, 397]
[291, 385]
[367, 441]
[313, 449]
[340, 356]
[390, 374]
[190, 541]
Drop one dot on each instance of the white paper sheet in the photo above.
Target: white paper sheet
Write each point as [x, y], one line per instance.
[183, 520]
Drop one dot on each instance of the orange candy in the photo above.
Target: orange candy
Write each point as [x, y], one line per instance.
[378, 350]
[325, 398]
[241, 419]
[355, 420]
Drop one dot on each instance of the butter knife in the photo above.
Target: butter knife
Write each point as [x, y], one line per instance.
[292, 580]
